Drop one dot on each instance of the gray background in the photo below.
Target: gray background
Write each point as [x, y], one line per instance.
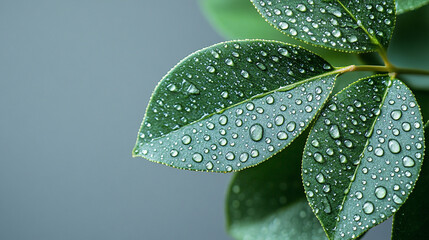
[75, 78]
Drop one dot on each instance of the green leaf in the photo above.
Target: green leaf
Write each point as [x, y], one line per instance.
[408, 5]
[343, 25]
[238, 19]
[363, 156]
[412, 220]
[233, 105]
[268, 201]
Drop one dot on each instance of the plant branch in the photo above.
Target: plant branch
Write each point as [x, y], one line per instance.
[387, 69]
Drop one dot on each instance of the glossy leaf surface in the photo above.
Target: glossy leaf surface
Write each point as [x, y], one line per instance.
[408, 5]
[412, 219]
[238, 19]
[268, 201]
[345, 25]
[233, 105]
[363, 156]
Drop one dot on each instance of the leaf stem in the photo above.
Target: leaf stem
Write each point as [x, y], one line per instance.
[387, 69]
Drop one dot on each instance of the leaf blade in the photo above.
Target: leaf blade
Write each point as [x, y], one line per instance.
[403, 6]
[411, 221]
[338, 25]
[215, 91]
[352, 175]
[268, 202]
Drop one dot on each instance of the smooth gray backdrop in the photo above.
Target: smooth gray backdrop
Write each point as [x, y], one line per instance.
[75, 79]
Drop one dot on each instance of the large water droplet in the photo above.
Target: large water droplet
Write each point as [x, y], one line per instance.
[368, 207]
[244, 157]
[396, 114]
[318, 157]
[334, 132]
[291, 126]
[282, 135]
[256, 132]
[397, 199]
[380, 192]
[186, 139]
[283, 25]
[320, 178]
[223, 120]
[209, 166]
[379, 152]
[197, 157]
[244, 73]
[230, 156]
[394, 146]
[408, 161]
[406, 126]
[279, 120]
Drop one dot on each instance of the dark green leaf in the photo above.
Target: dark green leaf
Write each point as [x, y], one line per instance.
[268, 201]
[238, 19]
[351, 26]
[363, 156]
[233, 105]
[412, 220]
[408, 5]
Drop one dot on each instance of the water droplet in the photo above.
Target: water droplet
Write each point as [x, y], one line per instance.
[336, 33]
[244, 73]
[229, 62]
[320, 178]
[282, 135]
[284, 52]
[318, 157]
[223, 120]
[397, 199]
[254, 153]
[301, 7]
[279, 120]
[209, 166]
[283, 25]
[334, 132]
[174, 153]
[343, 159]
[394, 146]
[315, 143]
[172, 88]
[211, 69]
[291, 126]
[256, 132]
[228, 168]
[230, 156]
[352, 39]
[215, 54]
[186, 139]
[368, 207]
[224, 94]
[348, 143]
[380, 192]
[408, 161]
[244, 157]
[379, 152]
[406, 126]
[197, 157]
[396, 114]
[269, 100]
[261, 66]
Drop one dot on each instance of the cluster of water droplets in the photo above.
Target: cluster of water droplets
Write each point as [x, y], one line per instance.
[215, 78]
[243, 135]
[328, 23]
[370, 157]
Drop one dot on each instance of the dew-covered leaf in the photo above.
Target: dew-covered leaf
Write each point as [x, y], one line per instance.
[412, 219]
[233, 105]
[363, 156]
[345, 25]
[408, 5]
[268, 201]
[238, 19]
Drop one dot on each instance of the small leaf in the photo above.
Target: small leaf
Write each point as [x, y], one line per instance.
[351, 26]
[268, 201]
[408, 5]
[233, 105]
[363, 156]
[238, 19]
[412, 220]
